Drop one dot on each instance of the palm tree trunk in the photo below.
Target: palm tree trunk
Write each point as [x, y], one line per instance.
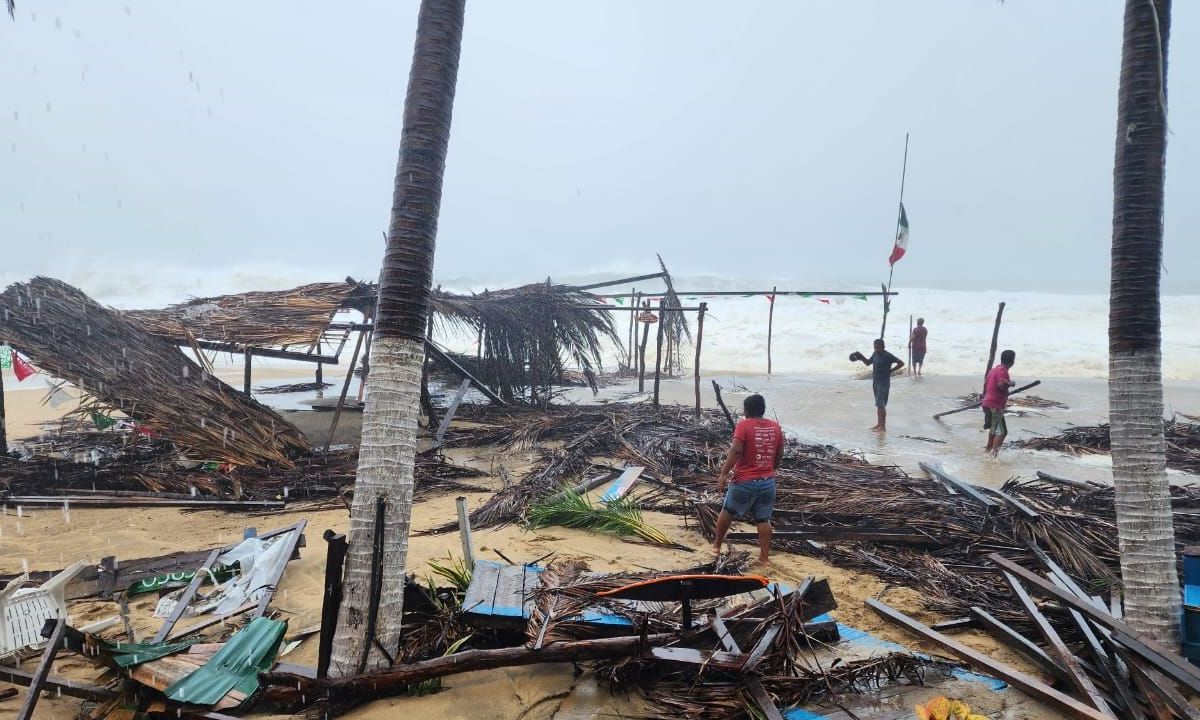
[386, 456]
[1143, 502]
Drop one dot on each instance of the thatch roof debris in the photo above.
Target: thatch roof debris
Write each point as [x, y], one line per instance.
[528, 334]
[297, 316]
[126, 369]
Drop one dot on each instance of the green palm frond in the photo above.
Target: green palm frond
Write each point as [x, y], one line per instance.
[454, 570]
[620, 517]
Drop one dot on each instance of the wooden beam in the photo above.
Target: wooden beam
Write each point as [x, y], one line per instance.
[1166, 661]
[118, 501]
[619, 281]
[849, 534]
[762, 698]
[335, 560]
[1027, 512]
[438, 354]
[1015, 640]
[955, 625]
[1155, 686]
[761, 648]
[453, 408]
[1027, 684]
[186, 597]
[57, 683]
[938, 473]
[1075, 673]
[341, 403]
[265, 352]
[43, 670]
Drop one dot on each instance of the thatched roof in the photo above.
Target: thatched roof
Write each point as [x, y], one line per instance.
[124, 367]
[259, 319]
[529, 333]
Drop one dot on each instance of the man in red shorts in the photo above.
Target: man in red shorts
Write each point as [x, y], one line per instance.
[751, 462]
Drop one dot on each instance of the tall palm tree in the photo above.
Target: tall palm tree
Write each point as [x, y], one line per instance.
[1143, 501]
[368, 629]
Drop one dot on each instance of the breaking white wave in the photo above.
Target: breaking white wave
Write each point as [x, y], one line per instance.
[1054, 335]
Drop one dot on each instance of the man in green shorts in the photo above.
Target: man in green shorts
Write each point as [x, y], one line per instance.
[995, 397]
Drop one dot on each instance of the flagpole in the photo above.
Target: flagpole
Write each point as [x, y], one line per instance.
[892, 269]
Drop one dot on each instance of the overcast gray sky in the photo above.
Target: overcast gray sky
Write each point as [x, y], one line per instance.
[756, 139]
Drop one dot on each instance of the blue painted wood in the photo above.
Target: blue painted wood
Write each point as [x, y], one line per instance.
[622, 485]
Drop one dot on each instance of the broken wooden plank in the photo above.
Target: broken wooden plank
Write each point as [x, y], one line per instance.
[955, 625]
[623, 484]
[453, 408]
[481, 593]
[761, 647]
[710, 658]
[762, 698]
[1075, 672]
[1024, 510]
[186, 597]
[937, 472]
[825, 631]
[1169, 663]
[1027, 684]
[1031, 650]
[57, 683]
[118, 502]
[1156, 687]
[462, 372]
[43, 670]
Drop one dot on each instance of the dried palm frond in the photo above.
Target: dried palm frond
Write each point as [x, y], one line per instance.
[528, 334]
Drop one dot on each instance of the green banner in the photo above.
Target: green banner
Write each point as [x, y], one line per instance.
[5, 356]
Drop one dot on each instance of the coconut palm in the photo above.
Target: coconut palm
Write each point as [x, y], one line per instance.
[1143, 503]
[368, 629]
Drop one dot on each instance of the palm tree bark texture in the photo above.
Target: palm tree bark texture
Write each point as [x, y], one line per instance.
[1143, 504]
[368, 635]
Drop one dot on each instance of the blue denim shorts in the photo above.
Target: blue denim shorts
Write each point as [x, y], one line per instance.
[753, 499]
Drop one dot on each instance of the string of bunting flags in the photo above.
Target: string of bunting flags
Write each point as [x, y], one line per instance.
[9, 358]
[652, 299]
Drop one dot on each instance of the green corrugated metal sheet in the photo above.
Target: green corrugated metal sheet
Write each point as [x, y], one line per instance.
[130, 654]
[235, 666]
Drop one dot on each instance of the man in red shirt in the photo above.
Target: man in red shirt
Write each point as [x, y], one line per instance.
[917, 343]
[751, 462]
[995, 397]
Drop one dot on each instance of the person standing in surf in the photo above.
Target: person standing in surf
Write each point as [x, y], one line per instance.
[882, 364]
[995, 398]
[917, 343]
[749, 473]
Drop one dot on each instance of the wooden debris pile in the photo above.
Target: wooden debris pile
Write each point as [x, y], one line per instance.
[146, 378]
[1029, 401]
[1183, 443]
[297, 316]
[151, 466]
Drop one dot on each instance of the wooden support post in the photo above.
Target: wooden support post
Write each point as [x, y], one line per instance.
[3, 432]
[464, 530]
[770, 325]
[721, 402]
[341, 403]
[335, 560]
[631, 337]
[935, 471]
[992, 352]
[366, 365]
[436, 353]
[658, 346]
[699, 341]
[985, 664]
[642, 350]
[910, 330]
[320, 379]
[249, 363]
[43, 670]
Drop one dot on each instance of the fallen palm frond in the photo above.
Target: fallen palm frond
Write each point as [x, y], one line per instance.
[1030, 401]
[1183, 443]
[292, 388]
[130, 461]
[126, 369]
[619, 517]
[528, 333]
[297, 316]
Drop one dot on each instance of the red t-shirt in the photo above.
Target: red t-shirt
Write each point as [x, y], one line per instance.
[761, 439]
[995, 390]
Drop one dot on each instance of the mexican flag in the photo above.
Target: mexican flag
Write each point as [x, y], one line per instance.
[901, 238]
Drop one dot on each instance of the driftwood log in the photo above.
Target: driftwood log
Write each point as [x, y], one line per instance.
[294, 690]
